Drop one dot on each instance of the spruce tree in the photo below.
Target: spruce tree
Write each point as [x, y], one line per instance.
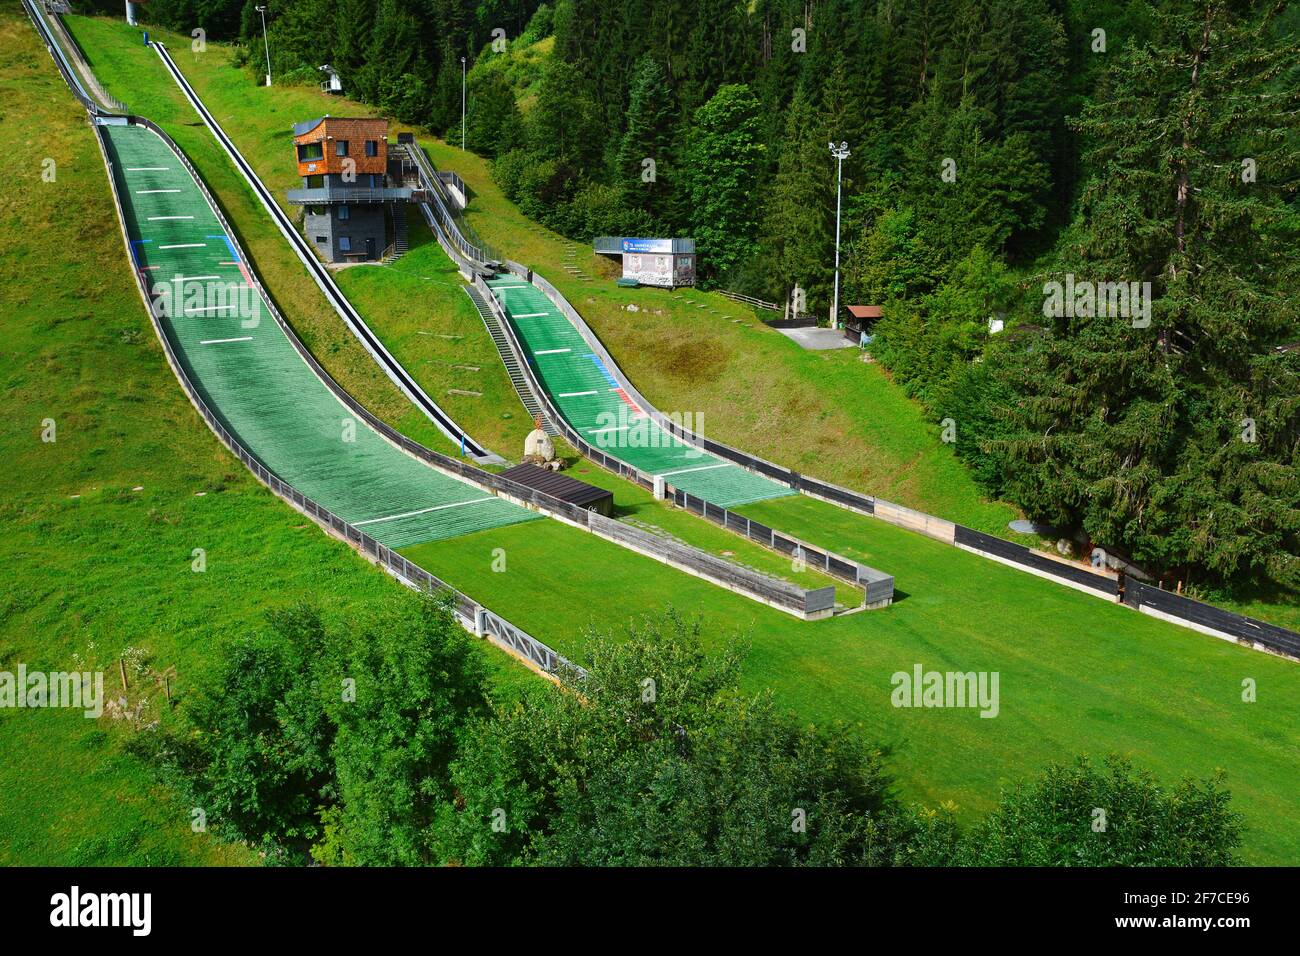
[799, 235]
[723, 170]
[1180, 441]
[651, 121]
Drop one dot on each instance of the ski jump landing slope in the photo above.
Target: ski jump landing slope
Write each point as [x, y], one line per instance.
[250, 374]
[593, 402]
[325, 280]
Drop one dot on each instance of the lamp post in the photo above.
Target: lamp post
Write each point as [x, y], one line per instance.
[462, 103]
[266, 43]
[841, 153]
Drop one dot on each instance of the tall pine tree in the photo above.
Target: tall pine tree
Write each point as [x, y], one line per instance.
[1180, 441]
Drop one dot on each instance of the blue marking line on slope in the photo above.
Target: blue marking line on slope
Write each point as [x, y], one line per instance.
[135, 258]
[603, 370]
[234, 253]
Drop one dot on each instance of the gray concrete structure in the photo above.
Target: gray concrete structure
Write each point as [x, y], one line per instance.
[341, 231]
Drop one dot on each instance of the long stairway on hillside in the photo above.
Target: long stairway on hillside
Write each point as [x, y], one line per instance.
[517, 377]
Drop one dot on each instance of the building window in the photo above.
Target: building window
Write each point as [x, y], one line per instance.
[345, 244]
[315, 182]
[343, 212]
[372, 147]
[321, 240]
[376, 180]
[310, 151]
[341, 147]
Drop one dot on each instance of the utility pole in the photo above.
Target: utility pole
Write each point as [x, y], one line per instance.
[840, 153]
[462, 103]
[266, 43]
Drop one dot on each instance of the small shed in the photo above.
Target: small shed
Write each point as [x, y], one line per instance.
[567, 489]
[862, 319]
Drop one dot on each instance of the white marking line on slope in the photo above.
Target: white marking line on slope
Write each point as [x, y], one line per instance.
[576, 394]
[209, 308]
[161, 218]
[242, 338]
[409, 514]
[610, 428]
[150, 192]
[147, 169]
[552, 351]
[529, 315]
[684, 471]
[520, 286]
[193, 278]
[185, 245]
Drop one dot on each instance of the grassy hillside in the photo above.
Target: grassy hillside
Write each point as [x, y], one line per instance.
[418, 307]
[118, 63]
[1077, 674]
[101, 524]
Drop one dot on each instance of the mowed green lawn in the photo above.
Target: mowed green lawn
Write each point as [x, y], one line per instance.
[1076, 674]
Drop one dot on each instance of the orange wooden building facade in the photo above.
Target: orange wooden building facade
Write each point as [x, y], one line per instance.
[324, 148]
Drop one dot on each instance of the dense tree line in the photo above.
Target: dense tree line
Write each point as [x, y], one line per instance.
[997, 146]
[381, 743]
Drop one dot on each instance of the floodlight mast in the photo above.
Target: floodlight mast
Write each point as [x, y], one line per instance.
[265, 42]
[840, 153]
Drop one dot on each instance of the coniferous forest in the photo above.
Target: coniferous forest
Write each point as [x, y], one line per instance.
[1009, 158]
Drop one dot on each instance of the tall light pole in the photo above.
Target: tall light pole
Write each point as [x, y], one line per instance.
[840, 153]
[462, 103]
[266, 43]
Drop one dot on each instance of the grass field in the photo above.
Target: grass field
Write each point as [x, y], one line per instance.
[1077, 674]
[1109, 681]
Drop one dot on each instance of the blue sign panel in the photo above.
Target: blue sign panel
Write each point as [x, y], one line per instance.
[648, 245]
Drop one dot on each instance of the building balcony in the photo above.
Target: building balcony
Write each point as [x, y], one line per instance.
[348, 193]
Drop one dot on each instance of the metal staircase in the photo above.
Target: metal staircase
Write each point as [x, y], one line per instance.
[511, 362]
[399, 231]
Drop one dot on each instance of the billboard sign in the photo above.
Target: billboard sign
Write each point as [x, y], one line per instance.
[660, 246]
